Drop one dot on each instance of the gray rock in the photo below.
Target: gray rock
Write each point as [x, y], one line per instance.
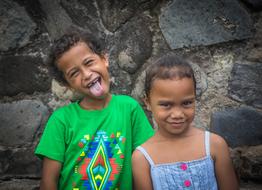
[252, 163]
[126, 62]
[57, 21]
[85, 15]
[205, 22]
[21, 122]
[16, 27]
[22, 74]
[136, 46]
[24, 163]
[254, 4]
[116, 13]
[245, 84]
[239, 127]
[20, 184]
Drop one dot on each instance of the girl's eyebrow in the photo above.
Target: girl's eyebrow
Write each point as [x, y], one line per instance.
[190, 97]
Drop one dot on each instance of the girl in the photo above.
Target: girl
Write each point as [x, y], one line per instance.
[179, 156]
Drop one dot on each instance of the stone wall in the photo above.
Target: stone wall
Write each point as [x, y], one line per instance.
[222, 39]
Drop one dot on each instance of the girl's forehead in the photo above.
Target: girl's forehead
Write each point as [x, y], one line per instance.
[173, 86]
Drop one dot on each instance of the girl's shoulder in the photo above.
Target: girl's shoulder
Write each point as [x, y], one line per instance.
[217, 140]
[217, 144]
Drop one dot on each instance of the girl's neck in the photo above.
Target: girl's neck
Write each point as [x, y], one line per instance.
[163, 137]
[95, 104]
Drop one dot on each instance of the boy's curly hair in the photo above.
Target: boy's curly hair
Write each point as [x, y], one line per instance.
[63, 44]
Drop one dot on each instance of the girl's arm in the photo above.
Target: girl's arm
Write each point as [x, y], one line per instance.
[141, 172]
[50, 174]
[224, 170]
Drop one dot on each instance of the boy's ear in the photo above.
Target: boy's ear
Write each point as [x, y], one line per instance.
[106, 57]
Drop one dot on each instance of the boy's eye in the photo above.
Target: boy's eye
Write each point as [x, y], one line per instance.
[88, 62]
[73, 74]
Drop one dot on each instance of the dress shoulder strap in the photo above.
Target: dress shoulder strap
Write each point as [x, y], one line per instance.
[144, 152]
[207, 142]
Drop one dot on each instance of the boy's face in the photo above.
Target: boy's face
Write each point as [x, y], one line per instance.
[172, 103]
[85, 71]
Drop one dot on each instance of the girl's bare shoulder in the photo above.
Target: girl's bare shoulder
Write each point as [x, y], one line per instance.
[217, 141]
[218, 145]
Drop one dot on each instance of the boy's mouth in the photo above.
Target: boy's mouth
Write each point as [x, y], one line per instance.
[92, 83]
[95, 87]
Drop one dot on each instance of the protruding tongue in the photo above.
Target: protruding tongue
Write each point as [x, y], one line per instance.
[96, 89]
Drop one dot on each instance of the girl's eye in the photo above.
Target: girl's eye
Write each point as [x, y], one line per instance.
[165, 105]
[188, 103]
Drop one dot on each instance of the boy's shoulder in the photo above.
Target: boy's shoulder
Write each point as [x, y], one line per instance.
[125, 99]
[68, 108]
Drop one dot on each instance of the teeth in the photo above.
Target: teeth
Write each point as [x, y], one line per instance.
[92, 83]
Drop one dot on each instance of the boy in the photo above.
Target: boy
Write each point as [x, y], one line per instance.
[88, 144]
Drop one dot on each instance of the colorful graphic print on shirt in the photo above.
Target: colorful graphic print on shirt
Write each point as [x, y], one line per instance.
[100, 161]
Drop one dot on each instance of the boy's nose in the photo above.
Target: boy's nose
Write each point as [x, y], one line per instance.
[86, 73]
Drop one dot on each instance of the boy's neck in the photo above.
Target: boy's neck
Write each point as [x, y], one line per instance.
[95, 104]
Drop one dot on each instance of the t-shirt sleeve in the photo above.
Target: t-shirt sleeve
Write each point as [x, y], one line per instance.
[52, 142]
[142, 130]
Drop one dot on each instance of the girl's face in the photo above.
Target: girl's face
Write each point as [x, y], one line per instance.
[85, 71]
[172, 102]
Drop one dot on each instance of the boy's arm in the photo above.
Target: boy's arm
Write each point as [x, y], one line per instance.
[141, 172]
[142, 130]
[224, 170]
[50, 174]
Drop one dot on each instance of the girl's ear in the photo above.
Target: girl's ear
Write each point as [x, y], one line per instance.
[146, 102]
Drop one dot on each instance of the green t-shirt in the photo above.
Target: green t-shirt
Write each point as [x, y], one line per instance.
[95, 147]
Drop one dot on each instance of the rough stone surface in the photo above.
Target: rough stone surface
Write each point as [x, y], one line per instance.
[16, 27]
[250, 186]
[24, 163]
[246, 84]
[126, 62]
[57, 21]
[19, 184]
[116, 13]
[137, 45]
[194, 23]
[252, 159]
[239, 127]
[22, 74]
[247, 162]
[254, 4]
[85, 15]
[20, 122]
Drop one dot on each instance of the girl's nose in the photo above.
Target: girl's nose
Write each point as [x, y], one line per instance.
[177, 113]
